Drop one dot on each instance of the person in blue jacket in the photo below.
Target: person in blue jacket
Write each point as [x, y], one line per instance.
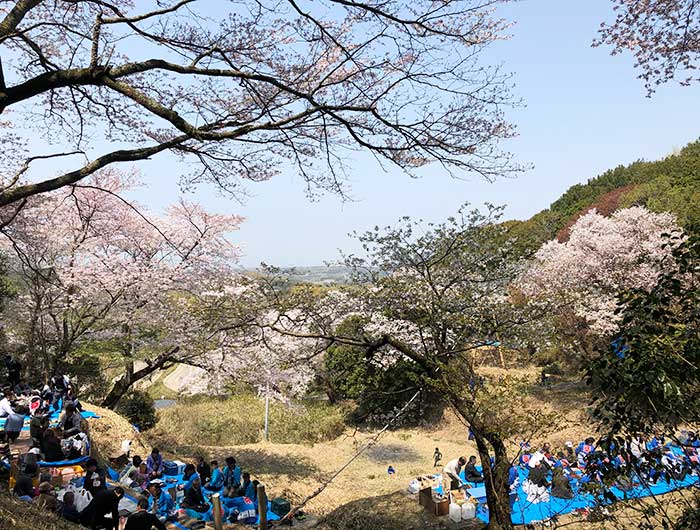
[232, 477]
[189, 476]
[216, 482]
[513, 483]
[164, 507]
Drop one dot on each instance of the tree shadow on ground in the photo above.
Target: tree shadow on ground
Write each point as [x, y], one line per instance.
[395, 511]
[389, 453]
[262, 462]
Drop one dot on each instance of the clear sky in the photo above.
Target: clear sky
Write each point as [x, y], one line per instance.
[585, 112]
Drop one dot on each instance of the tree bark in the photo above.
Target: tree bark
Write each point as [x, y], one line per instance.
[125, 382]
[495, 479]
[496, 475]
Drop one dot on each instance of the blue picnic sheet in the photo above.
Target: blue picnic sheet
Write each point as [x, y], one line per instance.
[229, 504]
[87, 414]
[525, 512]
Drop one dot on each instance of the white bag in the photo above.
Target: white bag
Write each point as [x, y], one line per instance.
[82, 499]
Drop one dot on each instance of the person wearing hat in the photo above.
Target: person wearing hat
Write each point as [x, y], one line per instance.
[142, 519]
[47, 497]
[160, 503]
[569, 451]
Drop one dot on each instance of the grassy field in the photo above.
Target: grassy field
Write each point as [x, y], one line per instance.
[240, 420]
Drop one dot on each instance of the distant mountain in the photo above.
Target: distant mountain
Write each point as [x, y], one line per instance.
[317, 274]
[670, 184]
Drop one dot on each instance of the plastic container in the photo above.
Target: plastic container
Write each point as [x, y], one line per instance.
[468, 510]
[455, 512]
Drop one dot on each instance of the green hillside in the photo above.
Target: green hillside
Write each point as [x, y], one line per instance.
[671, 184]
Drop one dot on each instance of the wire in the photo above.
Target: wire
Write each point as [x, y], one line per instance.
[371, 442]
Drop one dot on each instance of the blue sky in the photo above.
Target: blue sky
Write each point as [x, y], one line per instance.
[585, 112]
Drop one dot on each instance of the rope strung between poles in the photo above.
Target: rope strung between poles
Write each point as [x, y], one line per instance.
[371, 442]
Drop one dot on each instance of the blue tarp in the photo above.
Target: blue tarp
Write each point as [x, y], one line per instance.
[228, 504]
[525, 512]
[87, 414]
[63, 463]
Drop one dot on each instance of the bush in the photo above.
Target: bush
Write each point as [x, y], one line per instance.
[138, 408]
[240, 419]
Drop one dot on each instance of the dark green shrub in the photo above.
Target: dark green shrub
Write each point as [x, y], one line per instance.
[138, 408]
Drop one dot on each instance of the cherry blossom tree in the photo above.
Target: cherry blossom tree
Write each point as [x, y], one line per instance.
[431, 295]
[663, 36]
[92, 266]
[580, 278]
[242, 90]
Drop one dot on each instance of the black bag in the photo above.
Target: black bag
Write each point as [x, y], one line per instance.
[280, 506]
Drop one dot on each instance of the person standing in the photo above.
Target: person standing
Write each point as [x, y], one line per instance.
[104, 502]
[95, 478]
[14, 371]
[437, 457]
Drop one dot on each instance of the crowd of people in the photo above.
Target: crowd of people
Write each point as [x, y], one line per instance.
[64, 440]
[199, 482]
[643, 460]
[150, 481]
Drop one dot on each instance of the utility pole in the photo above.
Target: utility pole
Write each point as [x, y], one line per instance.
[267, 412]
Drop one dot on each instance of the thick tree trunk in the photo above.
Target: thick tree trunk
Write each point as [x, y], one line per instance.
[495, 479]
[496, 475]
[124, 383]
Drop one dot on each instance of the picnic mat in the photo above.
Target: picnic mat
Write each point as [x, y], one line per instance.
[525, 512]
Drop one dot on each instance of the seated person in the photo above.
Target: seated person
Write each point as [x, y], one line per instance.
[134, 465]
[247, 487]
[538, 475]
[561, 487]
[5, 405]
[47, 497]
[203, 470]
[194, 500]
[216, 482]
[587, 446]
[37, 426]
[68, 510]
[52, 447]
[189, 477]
[24, 487]
[232, 477]
[160, 502]
[470, 471]
[142, 519]
[524, 459]
[70, 421]
[542, 456]
[154, 463]
[95, 477]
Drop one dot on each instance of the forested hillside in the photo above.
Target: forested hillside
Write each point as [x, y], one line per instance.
[670, 184]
